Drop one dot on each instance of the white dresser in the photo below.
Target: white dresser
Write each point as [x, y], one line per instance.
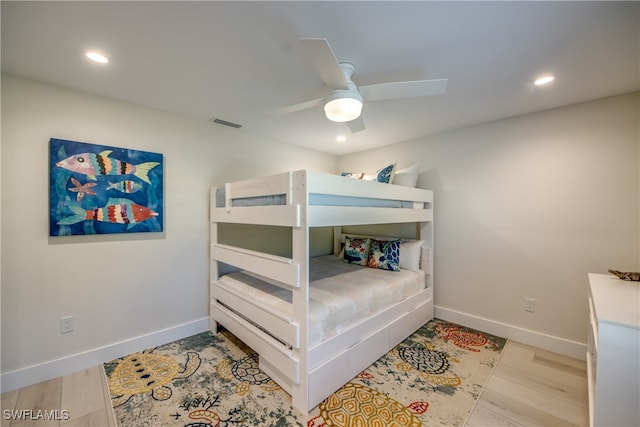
[613, 355]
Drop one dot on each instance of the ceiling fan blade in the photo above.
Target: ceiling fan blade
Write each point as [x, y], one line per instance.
[297, 107]
[325, 62]
[356, 125]
[409, 89]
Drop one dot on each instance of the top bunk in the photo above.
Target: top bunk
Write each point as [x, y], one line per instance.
[313, 199]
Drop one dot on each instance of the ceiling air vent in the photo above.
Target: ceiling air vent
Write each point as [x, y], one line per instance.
[224, 122]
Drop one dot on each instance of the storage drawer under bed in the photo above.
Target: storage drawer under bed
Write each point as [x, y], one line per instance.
[338, 370]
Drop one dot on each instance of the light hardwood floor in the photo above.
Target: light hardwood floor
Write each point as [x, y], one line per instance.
[533, 387]
[529, 387]
[84, 394]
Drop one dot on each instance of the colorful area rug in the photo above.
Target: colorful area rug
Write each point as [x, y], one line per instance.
[432, 378]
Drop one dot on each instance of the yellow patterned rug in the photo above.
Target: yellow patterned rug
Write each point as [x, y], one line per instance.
[432, 378]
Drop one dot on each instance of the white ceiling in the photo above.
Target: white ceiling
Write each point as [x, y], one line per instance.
[239, 60]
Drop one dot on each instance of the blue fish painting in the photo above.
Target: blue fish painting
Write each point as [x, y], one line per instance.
[86, 180]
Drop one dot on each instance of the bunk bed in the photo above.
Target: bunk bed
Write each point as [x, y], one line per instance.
[274, 303]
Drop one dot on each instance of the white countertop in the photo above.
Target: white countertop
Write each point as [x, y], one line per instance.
[616, 301]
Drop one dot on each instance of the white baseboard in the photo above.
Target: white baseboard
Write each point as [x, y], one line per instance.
[551, 343]
[75, 362]
[55, 368]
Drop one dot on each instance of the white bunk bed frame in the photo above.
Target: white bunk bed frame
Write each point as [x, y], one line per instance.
[310, 375]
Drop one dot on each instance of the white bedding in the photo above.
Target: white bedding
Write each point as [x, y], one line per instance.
[341, 294]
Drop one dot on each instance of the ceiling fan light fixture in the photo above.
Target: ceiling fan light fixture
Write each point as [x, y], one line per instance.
[343, 106]
[544, 80]
[97, 57]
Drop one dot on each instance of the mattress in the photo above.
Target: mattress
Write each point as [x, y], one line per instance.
[314, 199]
[340, 294]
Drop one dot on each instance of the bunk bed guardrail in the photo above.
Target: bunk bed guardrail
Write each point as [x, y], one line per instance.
[275, 195]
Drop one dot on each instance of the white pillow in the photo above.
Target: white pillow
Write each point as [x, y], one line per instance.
[410, 254]
[407, 176]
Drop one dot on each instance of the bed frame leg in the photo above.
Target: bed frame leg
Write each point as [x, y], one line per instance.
[300, 406]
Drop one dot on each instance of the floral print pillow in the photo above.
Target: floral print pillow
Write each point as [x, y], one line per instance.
[385, 255]
[356, 251]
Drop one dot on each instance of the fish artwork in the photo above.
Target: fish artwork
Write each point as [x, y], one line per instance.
[91, 165]
[116, 211]
[100, 189]
[127, 186]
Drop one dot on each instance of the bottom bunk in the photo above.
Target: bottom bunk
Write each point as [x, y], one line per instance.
[356, 314]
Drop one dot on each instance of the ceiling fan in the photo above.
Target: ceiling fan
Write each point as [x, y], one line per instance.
[344, 100]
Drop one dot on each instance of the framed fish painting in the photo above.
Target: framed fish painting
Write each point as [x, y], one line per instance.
[97, 189]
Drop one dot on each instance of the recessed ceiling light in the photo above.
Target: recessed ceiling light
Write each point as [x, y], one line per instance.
[544, 80]
[341, 138]
[97, 57]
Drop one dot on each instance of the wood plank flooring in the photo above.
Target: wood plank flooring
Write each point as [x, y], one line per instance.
[80, 399]
[529, 387]
[533, 387]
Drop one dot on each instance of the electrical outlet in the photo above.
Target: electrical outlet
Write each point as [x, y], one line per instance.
[66, 324]
[530, 305]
